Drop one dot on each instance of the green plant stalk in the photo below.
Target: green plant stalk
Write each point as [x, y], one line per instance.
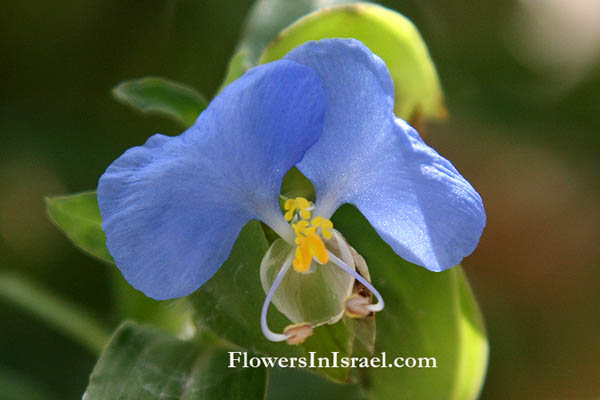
[67, 318]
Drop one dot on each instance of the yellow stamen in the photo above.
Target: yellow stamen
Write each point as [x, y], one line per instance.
[300, 204]
[303, 257]
[309, 241]
[300, 228]
[325, 225]
[317, 248]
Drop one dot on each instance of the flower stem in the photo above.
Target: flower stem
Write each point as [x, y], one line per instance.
[68, 318]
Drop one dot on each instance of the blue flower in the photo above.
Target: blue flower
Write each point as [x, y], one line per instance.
[173, 208]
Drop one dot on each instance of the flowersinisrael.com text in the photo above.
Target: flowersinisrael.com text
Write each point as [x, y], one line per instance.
[240, 359]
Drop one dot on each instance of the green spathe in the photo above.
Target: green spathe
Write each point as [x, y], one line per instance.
[427, 314]
[388, 34]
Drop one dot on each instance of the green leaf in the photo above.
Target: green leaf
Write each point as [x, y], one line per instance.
[268, 17]
[79, 217]
[154, 95]
[427, 314]
[142, 363]
[298, 384]
[172, 316]
[388, 34]
[238, 65]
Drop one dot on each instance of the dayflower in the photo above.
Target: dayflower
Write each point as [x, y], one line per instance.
[173, 208]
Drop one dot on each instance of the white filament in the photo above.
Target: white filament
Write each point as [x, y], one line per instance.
[341, 264]
[272, 336]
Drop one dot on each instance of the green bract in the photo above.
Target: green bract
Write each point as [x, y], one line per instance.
[389, 35]
[434, 315]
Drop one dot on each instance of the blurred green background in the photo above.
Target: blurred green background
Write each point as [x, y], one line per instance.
[522, 84]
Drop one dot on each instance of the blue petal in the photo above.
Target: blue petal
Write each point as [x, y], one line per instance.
[173, 208]
[415, 199]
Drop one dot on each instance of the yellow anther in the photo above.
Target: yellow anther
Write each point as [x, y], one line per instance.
[289, 203]
[305, 214]
[308, 247]
[299, 203]
[300, 227]
[288, 215]
[303, 257]
[325, 225]
[317, 248]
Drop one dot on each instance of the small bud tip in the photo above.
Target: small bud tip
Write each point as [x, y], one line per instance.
[357, 306]
[298, 333]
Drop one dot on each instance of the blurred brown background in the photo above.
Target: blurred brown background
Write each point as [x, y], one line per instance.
[522, 81]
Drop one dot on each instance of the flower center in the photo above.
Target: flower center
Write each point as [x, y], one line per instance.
[334, 300]
[308, 233]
